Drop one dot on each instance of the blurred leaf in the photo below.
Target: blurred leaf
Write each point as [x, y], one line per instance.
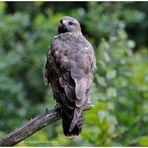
[143, 141]
[111, 74]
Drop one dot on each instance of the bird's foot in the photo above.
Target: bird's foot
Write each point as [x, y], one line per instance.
[89, 105]
[89, 101]
[58, 106]
[47, 110]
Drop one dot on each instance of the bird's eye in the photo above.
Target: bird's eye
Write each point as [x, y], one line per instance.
[71, 23]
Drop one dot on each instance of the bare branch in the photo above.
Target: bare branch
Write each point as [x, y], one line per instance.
[33, 126]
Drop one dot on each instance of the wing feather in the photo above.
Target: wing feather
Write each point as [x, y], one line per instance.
[69, 69]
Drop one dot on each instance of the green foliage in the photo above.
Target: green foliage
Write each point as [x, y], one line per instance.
[120, 88]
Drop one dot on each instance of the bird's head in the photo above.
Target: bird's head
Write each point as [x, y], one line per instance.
[68, 24]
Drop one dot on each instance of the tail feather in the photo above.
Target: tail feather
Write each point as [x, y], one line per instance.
[76, 118]
[70, 127]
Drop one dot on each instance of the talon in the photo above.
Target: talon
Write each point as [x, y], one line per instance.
[89, 104]
[89, 100]
[47, 110]
[58, 106]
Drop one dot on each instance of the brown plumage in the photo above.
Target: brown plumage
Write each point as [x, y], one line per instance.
[69, 69]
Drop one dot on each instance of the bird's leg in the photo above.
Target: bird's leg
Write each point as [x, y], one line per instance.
[89, 105]
[58, 106]
[47, 110]
[89, 101]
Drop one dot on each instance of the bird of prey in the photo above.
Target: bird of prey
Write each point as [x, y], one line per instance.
[69, 70]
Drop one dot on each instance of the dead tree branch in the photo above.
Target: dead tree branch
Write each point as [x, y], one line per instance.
[33, 126]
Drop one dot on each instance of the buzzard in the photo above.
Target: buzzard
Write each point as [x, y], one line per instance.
[69, 70]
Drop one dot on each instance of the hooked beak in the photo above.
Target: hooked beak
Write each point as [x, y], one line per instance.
[64, 24]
